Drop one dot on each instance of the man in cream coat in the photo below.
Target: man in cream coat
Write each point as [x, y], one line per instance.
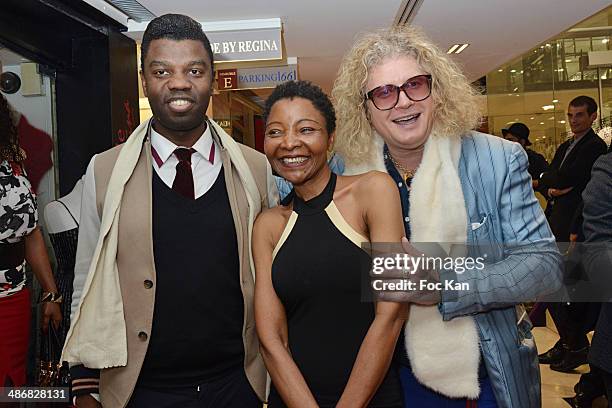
[162, 309]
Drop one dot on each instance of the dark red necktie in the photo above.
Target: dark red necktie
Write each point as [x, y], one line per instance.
[183, 182]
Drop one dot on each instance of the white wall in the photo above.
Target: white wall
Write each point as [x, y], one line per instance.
[36, 108]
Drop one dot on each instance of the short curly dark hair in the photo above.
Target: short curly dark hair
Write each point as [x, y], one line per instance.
[175, 27]
[583, 100]
[306, 90]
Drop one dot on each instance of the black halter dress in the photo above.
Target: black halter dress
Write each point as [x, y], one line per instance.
[320, 272]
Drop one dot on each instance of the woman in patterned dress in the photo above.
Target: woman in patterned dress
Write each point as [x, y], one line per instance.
[20, 241]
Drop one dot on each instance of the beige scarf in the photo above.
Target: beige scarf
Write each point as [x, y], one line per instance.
[97, 336]
[444, 355]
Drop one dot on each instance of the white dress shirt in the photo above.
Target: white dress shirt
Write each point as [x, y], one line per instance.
[205, 161]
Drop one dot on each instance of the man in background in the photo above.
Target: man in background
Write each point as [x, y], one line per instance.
[519, 133]
[598, 232]
[567, 177]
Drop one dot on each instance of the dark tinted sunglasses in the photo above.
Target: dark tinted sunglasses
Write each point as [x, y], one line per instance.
[385, 97]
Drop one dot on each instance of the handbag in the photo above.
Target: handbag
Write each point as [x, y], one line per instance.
[51, 371]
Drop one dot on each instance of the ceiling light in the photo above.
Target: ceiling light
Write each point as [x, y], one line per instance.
[555, 100]
[543, 137]
[462, 48]
[515, 89]
[551, 118]
[457, 48]
[548, 45]
[568, 60]
[513, 70]
[561, 121]
[605, 40]
[532, 118]
[452, 49]
[560, 70]
[521, 71]
[541, 123]
[500, 70]
[548, 107]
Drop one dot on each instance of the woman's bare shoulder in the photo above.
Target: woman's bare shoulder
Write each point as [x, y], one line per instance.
[372, 183]
[272, 220]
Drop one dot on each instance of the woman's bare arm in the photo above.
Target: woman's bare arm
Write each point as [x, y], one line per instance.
[271, 321]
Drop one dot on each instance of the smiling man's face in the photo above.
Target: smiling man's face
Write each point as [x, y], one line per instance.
[409, 123]
[177, 79]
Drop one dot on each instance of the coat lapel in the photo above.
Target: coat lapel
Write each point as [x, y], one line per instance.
[572, 155]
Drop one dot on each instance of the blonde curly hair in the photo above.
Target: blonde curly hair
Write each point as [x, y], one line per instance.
[455, 105]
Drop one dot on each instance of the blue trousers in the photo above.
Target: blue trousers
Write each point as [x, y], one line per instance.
[418, 396]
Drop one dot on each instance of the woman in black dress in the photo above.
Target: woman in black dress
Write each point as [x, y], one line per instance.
[322, 343]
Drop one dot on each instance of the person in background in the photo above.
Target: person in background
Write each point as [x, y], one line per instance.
[322, 344]
[568, 175]
[597, 255]
[597, 227]
[21, 242]
[519, 133]
[406, 109]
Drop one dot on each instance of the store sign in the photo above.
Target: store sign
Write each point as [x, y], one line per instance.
[600, 59]
[236, 40]
[227, 79]
[226, 124]
[246, 45]
[267, 77]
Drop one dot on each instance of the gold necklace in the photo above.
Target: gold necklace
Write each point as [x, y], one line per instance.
[406, 174]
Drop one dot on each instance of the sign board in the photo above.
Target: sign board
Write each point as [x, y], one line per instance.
[600, 59]
[266, 77]
[246, 45]
[227, 79]
[236, 40]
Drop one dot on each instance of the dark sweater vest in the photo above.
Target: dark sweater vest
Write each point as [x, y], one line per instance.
[199, 310]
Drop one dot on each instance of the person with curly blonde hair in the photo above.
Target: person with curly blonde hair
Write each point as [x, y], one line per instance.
[405, 108]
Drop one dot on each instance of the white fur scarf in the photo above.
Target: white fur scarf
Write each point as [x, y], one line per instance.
[444, 355]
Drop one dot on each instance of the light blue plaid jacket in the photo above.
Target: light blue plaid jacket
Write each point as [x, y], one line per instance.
[502, 209]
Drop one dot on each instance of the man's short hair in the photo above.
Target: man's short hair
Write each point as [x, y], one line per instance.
[306, 90]
[584, 100]
[175, 27]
